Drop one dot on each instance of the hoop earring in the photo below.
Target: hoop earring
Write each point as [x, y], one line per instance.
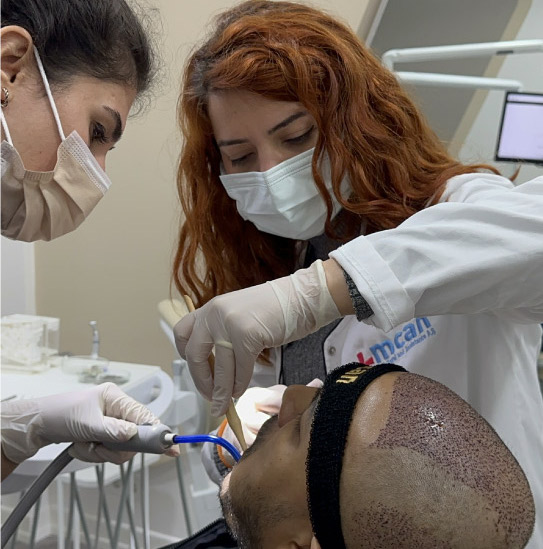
[5, 100]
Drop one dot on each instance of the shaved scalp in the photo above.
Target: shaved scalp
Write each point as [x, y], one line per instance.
[434, 475]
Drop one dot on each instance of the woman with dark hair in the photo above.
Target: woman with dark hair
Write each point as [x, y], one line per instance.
[71, 70]
[338, 228]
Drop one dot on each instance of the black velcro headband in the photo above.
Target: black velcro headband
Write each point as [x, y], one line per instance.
[331, 421]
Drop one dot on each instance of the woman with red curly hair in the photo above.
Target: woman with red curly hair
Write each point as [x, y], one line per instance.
[338, 228]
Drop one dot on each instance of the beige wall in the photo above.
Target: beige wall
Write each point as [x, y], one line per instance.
[116, 267]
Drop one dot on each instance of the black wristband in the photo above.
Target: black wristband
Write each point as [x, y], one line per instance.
[361, 307]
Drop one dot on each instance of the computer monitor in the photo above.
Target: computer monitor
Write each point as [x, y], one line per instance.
[521, 129]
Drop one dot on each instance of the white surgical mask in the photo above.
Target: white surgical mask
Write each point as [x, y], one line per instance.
[284, 200]
[46, 205]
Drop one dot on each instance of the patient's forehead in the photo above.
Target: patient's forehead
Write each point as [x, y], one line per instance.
[371, 413]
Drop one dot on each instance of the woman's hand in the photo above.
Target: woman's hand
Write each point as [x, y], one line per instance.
[100, 414]
[241, 324]
[255, 407]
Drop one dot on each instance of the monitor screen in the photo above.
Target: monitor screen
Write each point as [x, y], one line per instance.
[521, 130]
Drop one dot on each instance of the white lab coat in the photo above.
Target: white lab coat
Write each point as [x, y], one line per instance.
[457, 295]
[457, 292]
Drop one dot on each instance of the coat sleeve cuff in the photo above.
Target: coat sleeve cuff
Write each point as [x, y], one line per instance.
[376, 283]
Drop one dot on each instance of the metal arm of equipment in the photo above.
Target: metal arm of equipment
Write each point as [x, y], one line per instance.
[459, 51]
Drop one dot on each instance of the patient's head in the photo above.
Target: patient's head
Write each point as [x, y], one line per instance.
[418, 468]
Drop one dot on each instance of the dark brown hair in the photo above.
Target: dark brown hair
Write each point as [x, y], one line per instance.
[103, 39]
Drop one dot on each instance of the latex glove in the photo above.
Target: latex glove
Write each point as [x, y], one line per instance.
[102, 413]
[254, 408]
[241, 324]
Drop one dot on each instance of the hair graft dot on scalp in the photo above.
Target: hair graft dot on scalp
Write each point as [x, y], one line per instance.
[432, 421]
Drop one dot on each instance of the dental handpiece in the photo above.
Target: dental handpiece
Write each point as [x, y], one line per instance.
[156, 439]
[151, 439]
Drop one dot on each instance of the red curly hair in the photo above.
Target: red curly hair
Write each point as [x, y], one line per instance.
[368, 126]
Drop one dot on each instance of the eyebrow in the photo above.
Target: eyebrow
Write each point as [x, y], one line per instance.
[282, 124]
[118, 129]
[287, 121]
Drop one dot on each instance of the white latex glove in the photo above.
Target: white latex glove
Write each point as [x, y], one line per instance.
[102, 413]
[241, 324]
[254, 408]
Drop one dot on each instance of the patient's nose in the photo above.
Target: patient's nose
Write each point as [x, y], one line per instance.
[296, 400]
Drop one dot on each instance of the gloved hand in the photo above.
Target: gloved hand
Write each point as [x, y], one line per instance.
[254, 408]
[99, 414]
[241, 324]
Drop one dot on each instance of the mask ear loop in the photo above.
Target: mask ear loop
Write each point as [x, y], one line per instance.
[5, 128]
[49, 95]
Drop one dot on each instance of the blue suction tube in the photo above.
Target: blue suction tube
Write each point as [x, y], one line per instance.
[157, 438]
[180, 439]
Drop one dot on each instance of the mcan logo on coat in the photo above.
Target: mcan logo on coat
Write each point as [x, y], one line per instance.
[412, 334]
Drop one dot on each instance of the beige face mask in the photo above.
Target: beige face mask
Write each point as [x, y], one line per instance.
[46, 205]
